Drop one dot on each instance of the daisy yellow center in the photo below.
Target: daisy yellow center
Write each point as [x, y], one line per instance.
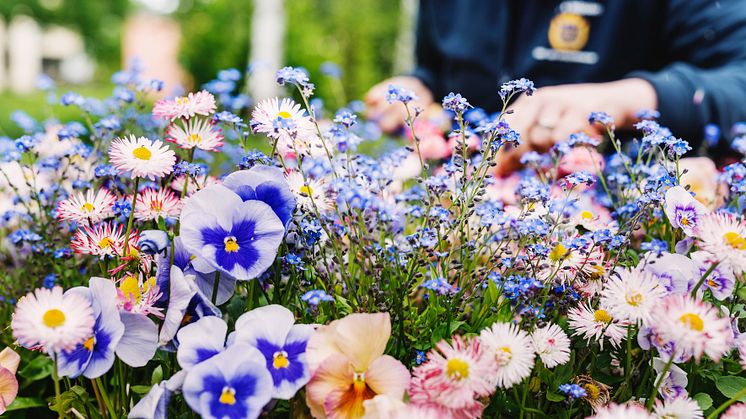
[358, 382]
[559, 252]
[142, 153]
[307, 190]
[182, 100]
[592, 391]
[503, 355]
[195, 138]
[54, 318]
[105, 243]
[228, 396]
[150, 283]
[87, 207]
[284, 115]
[130, 288]
[602, 316]
[735, 240]
[88, 344]
[156, 205]
[280, 360]
[634, 299]
[693, 321]
[457, 369]
[597, 271]
[586, 215]
[231, 245]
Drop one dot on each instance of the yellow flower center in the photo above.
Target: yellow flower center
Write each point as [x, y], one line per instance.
[150, 283]
[228, 396]
[182, 100]
[105, 243]
[142, 153]
[280, 360]
[284, 115]
[306, 190]
[684, 221]
[602, 316]
[586, 215]
[130, 288]
[735, 240]
[88, 344]
[54, 318]
[358, 382]
[87, 207]
[559, 252]
[457, 369]
[634, 299]
[693, 321]
[231, 245]
[503, 355]
[156, 205]
[592, 391]
[195, 138]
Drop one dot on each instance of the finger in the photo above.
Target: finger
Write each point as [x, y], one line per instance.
[391, 119]
[508, 159]
[523, 116]
[570, 123]
[540, 138]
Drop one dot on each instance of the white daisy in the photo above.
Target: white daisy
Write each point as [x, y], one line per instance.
[87, 207]
[693, 326]
[630, 410]
[552, 345]
[596, 325]
[309, 192]
[678, 408]
[288, 124]
[152, 204]
[52, 320]
[142, 157]
[199, 133]
[513, 352]
[631, 294]
[724, 235]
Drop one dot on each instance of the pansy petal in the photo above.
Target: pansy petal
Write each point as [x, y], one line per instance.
[180, 294]
[226, 286]
[271, 323]
[334, 373]
[200, 341]
[322, 345]
[140, 339]
[8, 388]
[9, 359]
[363, 337]
[387, 375]
[214, 199]
[278, 196]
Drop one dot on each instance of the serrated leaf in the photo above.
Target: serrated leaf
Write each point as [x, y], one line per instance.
[703, 400]
[730, 385]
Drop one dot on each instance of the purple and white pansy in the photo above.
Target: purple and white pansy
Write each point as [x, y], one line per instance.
[683, 210]
[266, 184]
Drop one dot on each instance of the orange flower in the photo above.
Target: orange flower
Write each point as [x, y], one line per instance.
[9, 361]
[348, 366]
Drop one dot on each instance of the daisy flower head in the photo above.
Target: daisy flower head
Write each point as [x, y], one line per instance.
[512, 350]
[596, 393]
[152, 204]
[200, 103]
[310, 193]
[89, 206]
[141, 157]
[596, 324]
[694, 326]
[454, 377]
[199, 133]
[683, 211]
[678, 408]
[552, 345]
[285, 122]
[724, 235]
[102, 240]
[631, 295]
[50, 319]
[622, 411]
[737, 411]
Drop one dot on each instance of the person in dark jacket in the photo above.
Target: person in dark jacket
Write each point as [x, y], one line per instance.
[684, 58]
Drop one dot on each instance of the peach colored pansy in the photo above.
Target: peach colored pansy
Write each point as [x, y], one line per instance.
[9, 361]
[348, 366]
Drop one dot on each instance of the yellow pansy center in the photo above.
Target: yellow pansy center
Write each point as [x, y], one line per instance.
[87, 207]
[358, 382]
[684, 221]
[634, 299]
[228, 396]
[231, 245]
[602, 316]
[142, 153]
[306, 190]
[284, 115]
[105, 243]
[735, 240]
[88, 344]
[130, 288]
[693, 321]
[280, 360]
[559, 252]
[592, 391]
[586, 215]
[457, 369]
[54, 318]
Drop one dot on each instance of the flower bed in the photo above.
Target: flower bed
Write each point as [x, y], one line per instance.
[175, 270]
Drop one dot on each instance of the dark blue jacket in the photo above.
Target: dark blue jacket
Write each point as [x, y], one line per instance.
[692, 51]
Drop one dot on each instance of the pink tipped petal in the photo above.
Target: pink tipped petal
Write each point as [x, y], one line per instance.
[386, 375]
[8, 388]
[363, 337]
[9, 360]
[335, 373]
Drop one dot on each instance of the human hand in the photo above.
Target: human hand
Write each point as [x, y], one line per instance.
[391, 116]
[552, 113]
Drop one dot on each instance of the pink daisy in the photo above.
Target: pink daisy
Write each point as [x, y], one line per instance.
[152, 204]
[199, 133]
[202, 103]
[91, 206]
[102, 240]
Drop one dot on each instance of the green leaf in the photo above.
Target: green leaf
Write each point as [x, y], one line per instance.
[40, 367]
[157, 375]
[554, 397]
[703, 400]
[141, 389]
[730, 385]
[21, 403]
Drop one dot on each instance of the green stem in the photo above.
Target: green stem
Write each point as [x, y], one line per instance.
[704, 276]
[730, 401]
[659, 381]
[215, 287]
[57, 398]
[105, 396]
[131, 218]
